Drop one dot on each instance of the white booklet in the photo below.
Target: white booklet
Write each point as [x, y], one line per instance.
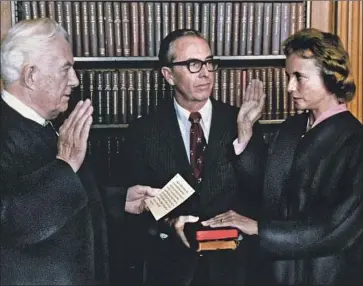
[175, 192]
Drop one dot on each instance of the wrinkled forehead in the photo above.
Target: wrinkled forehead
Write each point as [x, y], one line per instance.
[190, 47]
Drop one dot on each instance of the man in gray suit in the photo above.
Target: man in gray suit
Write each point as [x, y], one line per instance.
[226, 172]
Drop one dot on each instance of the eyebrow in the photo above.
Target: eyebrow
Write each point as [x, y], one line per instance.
[207, 58]
[67, 64]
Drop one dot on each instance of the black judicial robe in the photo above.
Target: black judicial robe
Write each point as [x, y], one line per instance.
[53, 228]
[311, 232]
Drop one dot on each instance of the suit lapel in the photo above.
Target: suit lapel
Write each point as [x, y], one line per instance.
[217, 134]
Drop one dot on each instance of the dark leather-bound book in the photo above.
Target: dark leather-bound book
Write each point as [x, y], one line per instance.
[51, 9]
[156, 89]
[235, 28]
[173, 16]
[277, 94]
[123, 96]
[293, 18]
[228, 29]
[139, 93]
[101, 30]
[147, 84]
[243, 29]
[205, 21]
[285, 23]
[93, 28]
[188, 15]
[134, 29]
[85, 29]
[165, 19]
[224, 85]
[181, 16]
[300, 16]
[91, 80]
[117, 28]
[267, 29]
[76, 9]
[213, 27]
[81, 78]
[196, 16]
[250, 28]
[99, 108]
[220, 28]
[109, 32]
[59, 17]
[150, 29]
[231, 84]
[270, 92]
[142, 29]
[42, 9]
[284, 94]
[264, 83]
[68, 23]
[158, 28]
[257, 40]
[130, 95]
[276, 23]
[25, 10]
[34, 9]
[238, 87]
[125, 19]
[115, 97]
[107, 96]
[215, 93]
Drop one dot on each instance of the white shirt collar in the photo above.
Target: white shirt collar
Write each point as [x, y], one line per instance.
[205, 112]
[21, 108]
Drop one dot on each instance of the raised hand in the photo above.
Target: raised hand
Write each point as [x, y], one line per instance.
[73, 135]
[179, 223]
[250, 110]
[136, 196]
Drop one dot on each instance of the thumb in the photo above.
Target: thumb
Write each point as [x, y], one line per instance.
[152, 192]
[191, 219]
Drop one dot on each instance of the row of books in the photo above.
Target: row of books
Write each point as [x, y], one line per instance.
[115, 28]
[121, 96]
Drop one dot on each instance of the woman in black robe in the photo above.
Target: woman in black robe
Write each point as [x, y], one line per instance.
[311, 227]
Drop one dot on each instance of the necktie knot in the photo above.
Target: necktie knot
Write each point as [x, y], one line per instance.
[195, 117]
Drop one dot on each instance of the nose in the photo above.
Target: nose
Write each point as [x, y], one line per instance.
[73, 79]
[291, 85]
[204, 71]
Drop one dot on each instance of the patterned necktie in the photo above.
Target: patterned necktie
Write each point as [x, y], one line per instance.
[198, 145]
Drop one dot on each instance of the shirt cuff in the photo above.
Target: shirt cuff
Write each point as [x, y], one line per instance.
[239, 147]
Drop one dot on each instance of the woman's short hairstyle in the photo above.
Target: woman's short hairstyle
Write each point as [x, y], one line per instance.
[166, 55]
[330, 56]
[26, 39]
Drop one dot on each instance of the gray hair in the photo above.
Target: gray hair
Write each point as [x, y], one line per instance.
[26, 39]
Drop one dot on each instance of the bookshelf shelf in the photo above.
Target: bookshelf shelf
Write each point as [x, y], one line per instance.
[155, 59]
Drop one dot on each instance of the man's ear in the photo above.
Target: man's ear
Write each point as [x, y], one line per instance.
[168, 75]
[27, 76]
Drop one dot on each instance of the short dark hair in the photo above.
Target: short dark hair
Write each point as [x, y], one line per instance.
[330, 56]
[165, 56]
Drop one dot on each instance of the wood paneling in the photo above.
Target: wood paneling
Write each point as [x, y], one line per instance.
[322, 15]
[349, 29]
[5, 12]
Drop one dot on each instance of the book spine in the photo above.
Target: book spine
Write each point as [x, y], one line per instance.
[42, 9]
[285, 23]
[131, 95]
[59, 13]
[243, 29]
[277, 93]
[99, 108]
[276, 22]
[188, 15]
[110, 38]
[68, 25]
[26, 10]
[139, 93]
[77, 28]
[224, 85]
[166, 19]
[250, 28]
[125, 16]
[235, 28]
[123, 96]
[34, 10]
[213, 27]
[173, 16]
[101, 30]
[156, 89]
[300, 16]
[181, 15]
[134, 29]
[117, 28]
[115, 97]
[51, 10]
[150, 34]
[107, 96]
[270, 92]
[147, 105]
[85, 29]
[205, 20]
[257, 44]
[267, 27]
[216, 85]
[196, 22]
[93, 28]
[142, 27]
[228, 29]
[238, 88]
[220, 28]
[158, 28]
[232, 92]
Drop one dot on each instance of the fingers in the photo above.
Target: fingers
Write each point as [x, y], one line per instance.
[179, 227]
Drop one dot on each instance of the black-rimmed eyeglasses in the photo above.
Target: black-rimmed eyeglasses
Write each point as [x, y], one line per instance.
[195, 65]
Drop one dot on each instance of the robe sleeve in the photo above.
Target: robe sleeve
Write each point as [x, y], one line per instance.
[37, 204]
[328, 231]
